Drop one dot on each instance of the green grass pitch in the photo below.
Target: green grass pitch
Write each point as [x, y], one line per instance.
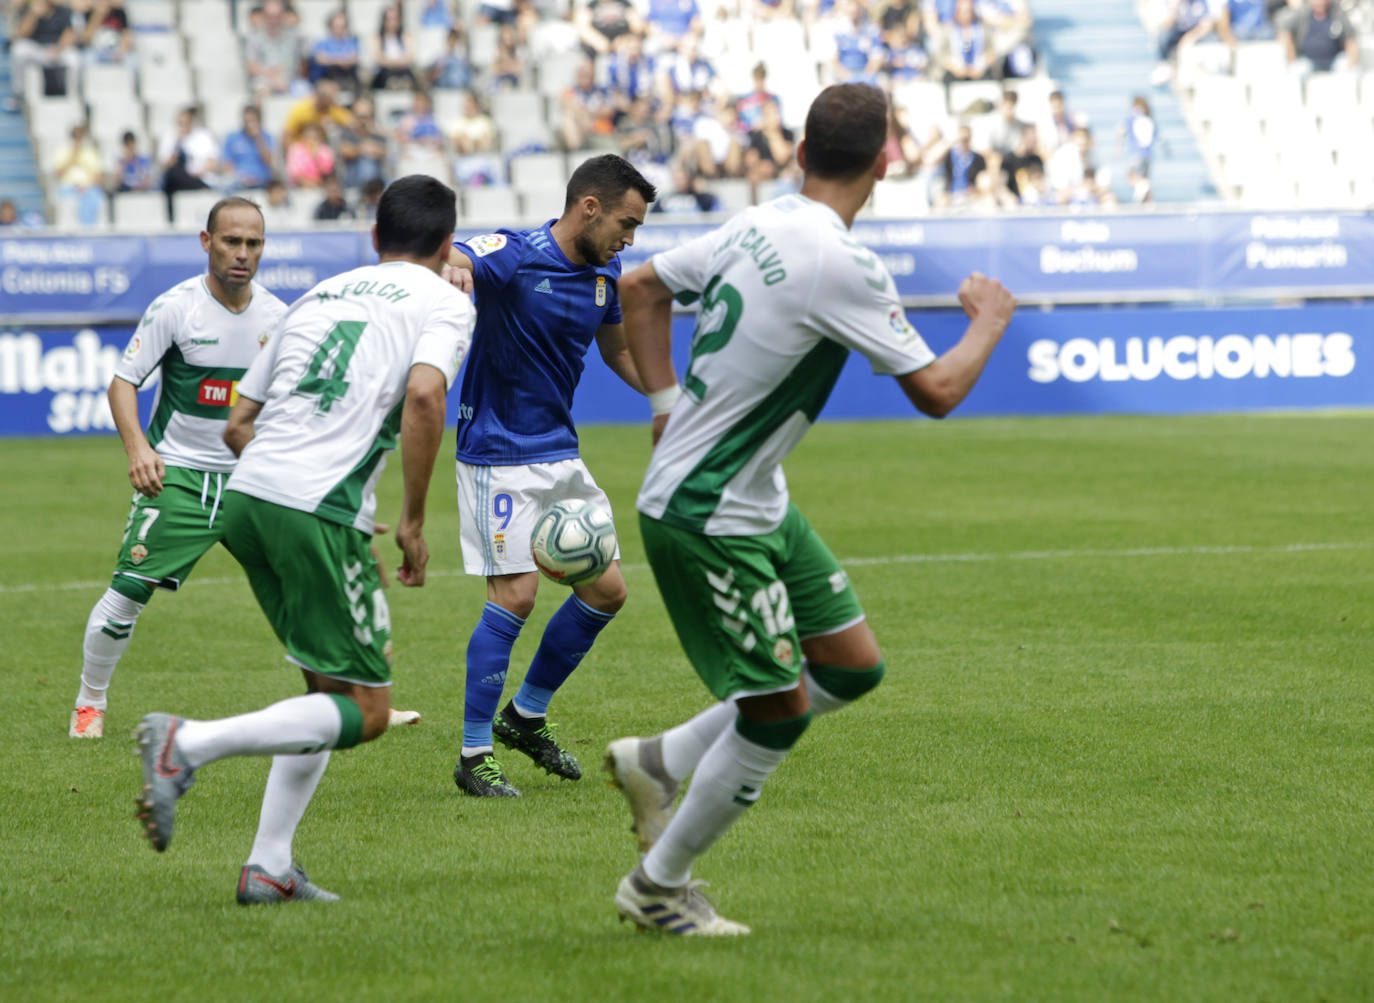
[1123, 752]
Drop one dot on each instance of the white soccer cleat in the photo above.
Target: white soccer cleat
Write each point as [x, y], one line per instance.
[681, 911]
[403, 717]
[636, 767]
[87, 722]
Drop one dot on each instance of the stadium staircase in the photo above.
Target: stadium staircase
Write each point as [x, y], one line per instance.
[1101, 56]
[18, 179]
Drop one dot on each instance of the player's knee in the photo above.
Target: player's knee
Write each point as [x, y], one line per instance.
[847, 684]
[605, 595]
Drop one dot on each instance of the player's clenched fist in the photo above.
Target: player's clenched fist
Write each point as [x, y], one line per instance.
[985, 298]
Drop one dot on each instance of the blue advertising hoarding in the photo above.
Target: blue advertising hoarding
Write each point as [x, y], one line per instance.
[1086, 360]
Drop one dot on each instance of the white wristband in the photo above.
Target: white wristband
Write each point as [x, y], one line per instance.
[662, 401]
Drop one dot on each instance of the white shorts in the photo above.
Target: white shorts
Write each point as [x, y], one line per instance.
[500, 505]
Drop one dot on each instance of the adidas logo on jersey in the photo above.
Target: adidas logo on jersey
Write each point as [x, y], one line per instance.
[543, 287]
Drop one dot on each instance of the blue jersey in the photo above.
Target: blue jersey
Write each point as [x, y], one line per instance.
[537, 314]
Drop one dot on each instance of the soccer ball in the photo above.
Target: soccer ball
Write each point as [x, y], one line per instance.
[573, 542]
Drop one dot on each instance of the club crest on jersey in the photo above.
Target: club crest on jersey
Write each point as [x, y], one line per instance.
[782, 651]
[135, 343]
[487, 243]
[263, 339]
[499, 542]
[137, 553]
[601, 290]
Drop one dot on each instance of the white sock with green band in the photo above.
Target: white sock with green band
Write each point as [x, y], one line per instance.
[296, 726]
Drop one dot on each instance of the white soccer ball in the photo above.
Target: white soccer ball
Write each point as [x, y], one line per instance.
[573, 542]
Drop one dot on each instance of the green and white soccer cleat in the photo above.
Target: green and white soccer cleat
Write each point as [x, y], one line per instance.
[257, 887]
[534, 737]
[681, 911]
[636, 767]
[166, 777]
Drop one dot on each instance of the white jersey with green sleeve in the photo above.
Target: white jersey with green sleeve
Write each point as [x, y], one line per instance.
[785, 293]
[203, 349]
[333, 385]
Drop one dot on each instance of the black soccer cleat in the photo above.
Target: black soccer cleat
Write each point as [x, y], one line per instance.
[534, 737]
[482, 777]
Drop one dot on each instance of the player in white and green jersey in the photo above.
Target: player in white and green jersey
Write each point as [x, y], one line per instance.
[361, 360]
[200, 335]
[763, 610]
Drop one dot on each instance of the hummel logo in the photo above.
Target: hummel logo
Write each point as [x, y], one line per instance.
[543, 286]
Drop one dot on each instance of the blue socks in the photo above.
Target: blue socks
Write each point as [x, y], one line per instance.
[488, 659]
[567, 638]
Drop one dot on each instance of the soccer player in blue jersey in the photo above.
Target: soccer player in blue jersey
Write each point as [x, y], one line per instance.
[543, 295]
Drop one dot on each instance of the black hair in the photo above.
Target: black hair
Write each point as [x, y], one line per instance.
[232, 202]
[846, 129]
[416, 215]
[608, 177]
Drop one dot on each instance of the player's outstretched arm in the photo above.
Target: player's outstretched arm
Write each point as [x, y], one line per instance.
[146, 468]
[941, 386]
[646, 306]
[422, 429]
[458, 270]
[238, 429]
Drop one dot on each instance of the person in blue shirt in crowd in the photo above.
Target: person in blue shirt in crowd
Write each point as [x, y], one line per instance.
[543, 295]
[335, 57]
[133, 171]
[250, 152]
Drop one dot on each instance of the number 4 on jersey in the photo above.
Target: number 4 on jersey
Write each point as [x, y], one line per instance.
[324, 378]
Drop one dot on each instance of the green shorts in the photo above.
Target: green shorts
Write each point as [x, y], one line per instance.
[741, 605]
[317, 582]
[165, 536]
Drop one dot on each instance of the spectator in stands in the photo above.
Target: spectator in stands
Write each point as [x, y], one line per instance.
[1009, 25]
[370, 196]
[1059, 124]
[1188, 22]
[452, 70]
[903, 152]
[629, 72]
[249, 152]
[335, 205]
[904, 56]
[859, 52]
[507, 69]
[106, 37]
[310, 159]
[1064, 170]
[9, 214]
[770, 148]
[749, 109]
[1017, 164]
[1320, 39]
[320, 108]
[44, 37]
[670, 22]
[990, 194]
[277, 212]
[936, 16]
[474, 138]
[1033, 188]
[600, 22]
[189, 155]
[335, 57]
[687, 196]
[418, 130]
[647, 140]
[502, 12]
[79, 179]
[274, 52]
[1006, 128]
[966, 54]
[961, 165]
[587, 113]
[1243, 21]
[362, 147]
[889, 14]
[437, 14]
[393, 52]
[685, 70]
[716, 134]
[133, 172]
[1138, 133]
